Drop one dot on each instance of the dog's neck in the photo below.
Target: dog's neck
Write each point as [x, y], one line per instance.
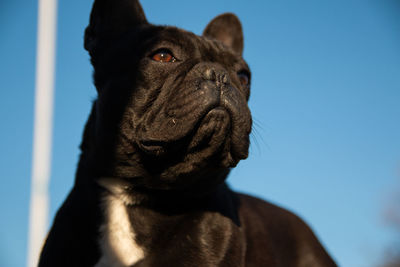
[132, 195]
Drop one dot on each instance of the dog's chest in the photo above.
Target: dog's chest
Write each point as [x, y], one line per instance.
[117, 237]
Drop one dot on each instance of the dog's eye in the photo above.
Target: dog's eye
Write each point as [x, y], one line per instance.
[244, 78]
[163, 55]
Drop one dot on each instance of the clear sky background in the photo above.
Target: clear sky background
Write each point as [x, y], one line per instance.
[325, 99]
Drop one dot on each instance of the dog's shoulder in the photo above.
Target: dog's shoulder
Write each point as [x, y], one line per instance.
[284, 236]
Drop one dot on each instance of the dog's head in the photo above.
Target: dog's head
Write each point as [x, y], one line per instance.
[172, 107]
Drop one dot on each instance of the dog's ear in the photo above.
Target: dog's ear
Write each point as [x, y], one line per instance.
[227, 29]
[110, 18]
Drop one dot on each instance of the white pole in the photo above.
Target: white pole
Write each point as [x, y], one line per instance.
[42, 137]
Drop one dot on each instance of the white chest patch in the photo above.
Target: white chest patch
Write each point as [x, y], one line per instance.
[117, 242]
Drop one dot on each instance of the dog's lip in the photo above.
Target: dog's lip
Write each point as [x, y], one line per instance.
[154, 147]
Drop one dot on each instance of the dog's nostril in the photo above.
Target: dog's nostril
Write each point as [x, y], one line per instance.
[210, 74]
[225, 78]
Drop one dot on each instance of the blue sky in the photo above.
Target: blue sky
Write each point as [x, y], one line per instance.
[325, 98]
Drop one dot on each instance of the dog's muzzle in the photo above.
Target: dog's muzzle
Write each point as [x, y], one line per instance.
[204, 113]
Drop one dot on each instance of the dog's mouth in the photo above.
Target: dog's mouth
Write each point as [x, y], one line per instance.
[210, 138]
[153, 147]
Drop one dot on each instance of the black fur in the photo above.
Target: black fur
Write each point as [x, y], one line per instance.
[162, 137]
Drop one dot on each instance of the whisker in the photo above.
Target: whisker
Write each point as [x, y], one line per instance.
[257, 137]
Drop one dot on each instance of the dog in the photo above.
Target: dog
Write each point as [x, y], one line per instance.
[170, 121]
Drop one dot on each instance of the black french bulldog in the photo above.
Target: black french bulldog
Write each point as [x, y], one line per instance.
[170, 121]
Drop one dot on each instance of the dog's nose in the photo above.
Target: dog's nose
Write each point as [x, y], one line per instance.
[220, 76]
